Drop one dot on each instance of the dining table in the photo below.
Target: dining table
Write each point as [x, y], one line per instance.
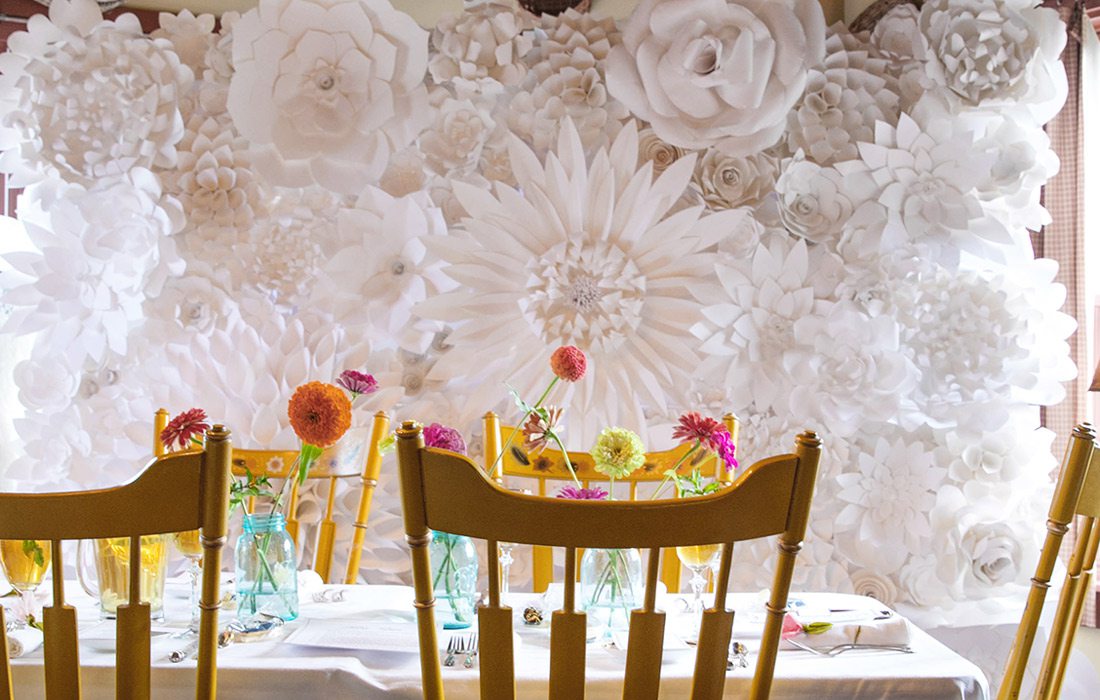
[359, 642]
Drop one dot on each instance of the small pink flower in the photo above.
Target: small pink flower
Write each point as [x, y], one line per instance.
[537, 432]
[568, 363]
[791, 628]
[357, 382]
[582, 494]
[179, 431]
[444, 438]
[711, 434]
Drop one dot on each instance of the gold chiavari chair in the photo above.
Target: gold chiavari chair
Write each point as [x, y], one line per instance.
[277, 464]
[1077, 493]
[548, 467]
[444, 491]
[178, 492]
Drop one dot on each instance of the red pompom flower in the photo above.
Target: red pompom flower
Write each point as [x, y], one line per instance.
[568, 363]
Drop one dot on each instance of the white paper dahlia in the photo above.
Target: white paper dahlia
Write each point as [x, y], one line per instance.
[483, 47]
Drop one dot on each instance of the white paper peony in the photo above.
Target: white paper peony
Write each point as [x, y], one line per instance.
[328, 90]
[717, 73]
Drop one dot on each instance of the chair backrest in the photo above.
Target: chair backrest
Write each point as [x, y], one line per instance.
[175, 493]
[444, 491]
[278, 464]
[548, 467]
[1077, 493]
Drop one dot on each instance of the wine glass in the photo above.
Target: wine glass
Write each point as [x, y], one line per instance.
[24, 563]
[190, 546]
[699, 558]
[506, 558]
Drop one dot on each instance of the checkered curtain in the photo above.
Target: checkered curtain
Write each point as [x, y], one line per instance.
[1064, 241]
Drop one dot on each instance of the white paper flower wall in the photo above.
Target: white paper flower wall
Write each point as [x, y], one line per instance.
[836, 238]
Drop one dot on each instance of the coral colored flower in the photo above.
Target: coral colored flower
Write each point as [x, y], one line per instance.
[582, 494]
[444, 438]
[693, 426]
[319, 413]
[182, 428]
[568, 363]
[618, 452]
[791, 628]
[537, 431]
[357, 382]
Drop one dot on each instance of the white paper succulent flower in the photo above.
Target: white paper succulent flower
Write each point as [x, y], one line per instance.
[887, 492]
[687, 68]
[582, 254]
[190, 35]
[813, 200]
[85, 100]
[728, 182]
[327, 90]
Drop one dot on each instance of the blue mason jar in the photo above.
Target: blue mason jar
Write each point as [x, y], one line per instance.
[454, 578]
[267, 569]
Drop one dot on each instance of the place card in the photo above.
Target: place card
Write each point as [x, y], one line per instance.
[383, 634]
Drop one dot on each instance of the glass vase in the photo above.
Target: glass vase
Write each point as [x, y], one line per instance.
[611, 586]
[454, 578]
[267, 570]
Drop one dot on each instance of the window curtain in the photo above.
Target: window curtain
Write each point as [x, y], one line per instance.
[1063, 239]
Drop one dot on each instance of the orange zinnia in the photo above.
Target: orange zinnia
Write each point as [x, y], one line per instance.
[319, 413]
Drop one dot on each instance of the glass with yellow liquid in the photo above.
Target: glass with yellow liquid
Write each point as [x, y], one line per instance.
[112, 566]
[190, 546]
[24, 563]
[700, 558]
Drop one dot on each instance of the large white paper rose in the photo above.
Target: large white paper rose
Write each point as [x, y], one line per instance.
[328, 90]
[717, 73]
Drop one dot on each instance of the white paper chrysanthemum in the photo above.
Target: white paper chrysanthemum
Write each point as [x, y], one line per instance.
[582, 254]
[687, 68]
[327, 90]
[88, 100]
[482, 48]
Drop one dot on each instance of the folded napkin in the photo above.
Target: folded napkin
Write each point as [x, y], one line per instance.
[894, 630]
[23, 641]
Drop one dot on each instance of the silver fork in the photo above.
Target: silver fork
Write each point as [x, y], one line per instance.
[471, 651]
[454, 646]
[841, 648]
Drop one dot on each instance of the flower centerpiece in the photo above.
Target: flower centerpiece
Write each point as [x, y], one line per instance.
[453, 557]
[610, 578]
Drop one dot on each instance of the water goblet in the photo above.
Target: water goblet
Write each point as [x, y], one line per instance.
[190, 547]
[699, 559]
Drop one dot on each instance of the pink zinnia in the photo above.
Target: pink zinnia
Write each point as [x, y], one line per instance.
[357, 382]
[183, 427]
[577, 493]
[444, 438]
[693, 426]
[568, 363]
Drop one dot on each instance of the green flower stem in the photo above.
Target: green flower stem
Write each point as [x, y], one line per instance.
[670, 472]
[519, 426]
[265, 568]
[565, 456]
[610, 577]
[447, 570]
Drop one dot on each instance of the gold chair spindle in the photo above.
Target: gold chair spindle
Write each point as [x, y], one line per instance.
[60, 648]
[568, 636]
[371, 470]
[132, 681]
[646, 640]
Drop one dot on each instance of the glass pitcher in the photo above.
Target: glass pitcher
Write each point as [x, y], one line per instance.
[111, 584]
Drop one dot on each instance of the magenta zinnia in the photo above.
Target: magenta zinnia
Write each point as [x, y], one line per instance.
[444, 438]
[357, 383]
[578, 493]
[181, 429]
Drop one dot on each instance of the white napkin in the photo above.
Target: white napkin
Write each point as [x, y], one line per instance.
[894, 631]
[23, 641]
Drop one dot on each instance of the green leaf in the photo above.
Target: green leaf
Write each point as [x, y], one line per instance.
[32, 549]
[817, 627]
[389, 444]
[523, 405]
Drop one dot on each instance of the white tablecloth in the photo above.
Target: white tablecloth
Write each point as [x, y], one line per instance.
[269, 670]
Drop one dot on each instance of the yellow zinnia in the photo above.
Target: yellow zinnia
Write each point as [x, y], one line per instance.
[618, 452]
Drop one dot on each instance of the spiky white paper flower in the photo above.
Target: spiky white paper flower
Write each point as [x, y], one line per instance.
[84, 100]
[328, 90]
[581, 254]
[687, 68]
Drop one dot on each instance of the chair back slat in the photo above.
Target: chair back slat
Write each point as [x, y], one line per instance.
[1088, 503]
[498, 676]
[722, 581]
[61, 652]
[568, 646]
[712, 652]
[133, 656]
[379, 428]
[492, 553]
[5, 667]
[326, 535]
[644, 650]
[1067, 492]
[652, 569]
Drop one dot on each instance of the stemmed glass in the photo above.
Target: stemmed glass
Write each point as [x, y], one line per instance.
[190, 547]
[24, 563]
[506, 558]
[699, 558]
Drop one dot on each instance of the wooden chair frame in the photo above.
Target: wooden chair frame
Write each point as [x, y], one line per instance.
[247, 461]
[548, 466]
[1077, 493]
[444, 491]
[178, 492]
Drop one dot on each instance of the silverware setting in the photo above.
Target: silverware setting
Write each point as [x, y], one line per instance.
[841, 648]
[471, 651]
[460, 646]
